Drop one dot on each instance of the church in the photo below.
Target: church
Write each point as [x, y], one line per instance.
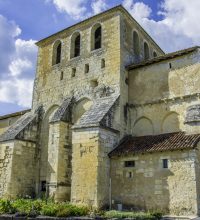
[114, 122]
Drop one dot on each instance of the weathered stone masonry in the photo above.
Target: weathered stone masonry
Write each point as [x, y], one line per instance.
[114, 121]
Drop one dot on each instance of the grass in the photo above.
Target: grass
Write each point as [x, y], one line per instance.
[33, 208]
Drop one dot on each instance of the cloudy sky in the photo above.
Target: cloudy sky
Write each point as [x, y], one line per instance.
[174, 25]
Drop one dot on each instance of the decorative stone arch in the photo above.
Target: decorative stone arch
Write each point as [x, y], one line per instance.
[146, 51]
[143, 126]
[57, 50]
[136, 43]
[75, 47]
[80, 107]
[96, 36]
[170, 123]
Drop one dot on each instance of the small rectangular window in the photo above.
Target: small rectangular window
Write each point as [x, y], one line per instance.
[130, 163]
[103, 64]
[73, 72]
[86, 68]
[61, 75]
[165, 163]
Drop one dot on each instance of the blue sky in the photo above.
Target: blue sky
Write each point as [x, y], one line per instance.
[173, 24]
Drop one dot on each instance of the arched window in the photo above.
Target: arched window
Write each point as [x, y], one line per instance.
[75, 45]
[146, 51]
[96, 37]
[136, 43]
[155, 54]
[56, 52]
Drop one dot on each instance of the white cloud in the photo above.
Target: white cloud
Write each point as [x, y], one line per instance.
[79, 9]
[138, 10]
[98, 6]
[17, 65]
[179, 27]
[76, 9]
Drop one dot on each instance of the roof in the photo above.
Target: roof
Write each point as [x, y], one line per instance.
[118, 7]
[162, 57]
[96, 115]
[15, 114]
[63, 112]
[155, 143]
[15, 129]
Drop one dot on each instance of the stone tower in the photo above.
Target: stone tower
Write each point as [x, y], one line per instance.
[79, 110]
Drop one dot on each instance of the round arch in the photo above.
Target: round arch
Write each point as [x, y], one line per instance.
[170, 123]
[143, 126]
[80, 107]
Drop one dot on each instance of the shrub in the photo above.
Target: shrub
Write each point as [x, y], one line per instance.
[6, 207]
[134, 215]
[49, 209]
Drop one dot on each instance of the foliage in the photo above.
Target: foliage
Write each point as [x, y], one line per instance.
[32, 208]
[134, 215]
[6, 207]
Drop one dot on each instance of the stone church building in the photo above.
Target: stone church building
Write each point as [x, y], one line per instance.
[114, 120]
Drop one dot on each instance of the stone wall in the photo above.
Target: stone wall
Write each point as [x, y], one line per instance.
[18, 169]
[59, 161]
[81, 84]
[90, 162]
[149, 186]
[159, 96]
[6, 153]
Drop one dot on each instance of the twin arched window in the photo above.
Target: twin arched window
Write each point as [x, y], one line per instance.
[96, 43]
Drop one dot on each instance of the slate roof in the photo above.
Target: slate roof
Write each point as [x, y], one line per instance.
[63, 112]
[15, 114]
[95, 115]
[154, 143]
[17, 127]
[162, 57]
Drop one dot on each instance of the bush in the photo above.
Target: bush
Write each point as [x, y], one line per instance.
[49, 209]
[6, 207]
[32, 208]
[134, 215]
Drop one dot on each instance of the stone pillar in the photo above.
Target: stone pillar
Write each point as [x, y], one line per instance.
[59, 161]
[91, 165]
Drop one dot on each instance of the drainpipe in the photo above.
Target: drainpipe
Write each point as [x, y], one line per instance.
[110, 186]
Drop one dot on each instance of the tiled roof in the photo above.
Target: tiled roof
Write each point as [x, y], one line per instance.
[163, 57]
[154, 143]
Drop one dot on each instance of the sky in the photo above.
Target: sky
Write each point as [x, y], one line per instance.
[173, 24]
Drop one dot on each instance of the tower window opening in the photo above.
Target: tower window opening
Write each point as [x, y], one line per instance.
[87, 68]
[103, 63]
[73, 72]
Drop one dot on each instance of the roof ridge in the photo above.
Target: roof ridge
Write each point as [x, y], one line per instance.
[162, 57]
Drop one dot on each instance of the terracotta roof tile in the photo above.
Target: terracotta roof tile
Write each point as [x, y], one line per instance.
[154, 143]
